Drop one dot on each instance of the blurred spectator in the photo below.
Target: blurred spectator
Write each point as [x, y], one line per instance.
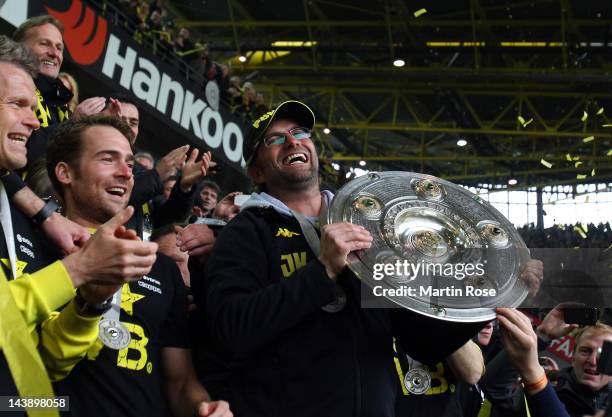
[206, 199]
[71, 84]
[260, 106]
[223, 79]
[581, 387]
[182, 43]
[142, 12]
[145, 159]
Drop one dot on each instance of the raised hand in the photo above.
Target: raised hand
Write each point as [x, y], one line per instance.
[113, 256]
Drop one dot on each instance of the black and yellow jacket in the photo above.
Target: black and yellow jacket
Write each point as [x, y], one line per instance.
[288, 357]
[51, 110]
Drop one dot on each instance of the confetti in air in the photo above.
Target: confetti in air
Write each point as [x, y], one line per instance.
[524, 122]
[546, 163]
[593, 172]
[600, 111]
[606, 125]
[568, 157]
[588, 139]
[420, 12]
[577, 164]
[584, 117]
[609, 153]
[581, 176]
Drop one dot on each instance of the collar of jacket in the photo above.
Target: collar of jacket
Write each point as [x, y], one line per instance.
[53, 90]
[569, 376]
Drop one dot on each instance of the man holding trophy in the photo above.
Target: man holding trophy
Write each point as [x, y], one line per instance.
[284, 309]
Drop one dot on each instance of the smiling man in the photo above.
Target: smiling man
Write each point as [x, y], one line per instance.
[581, 388]
[272, 302]
[148, 371]
[38, 286]
[43, 36]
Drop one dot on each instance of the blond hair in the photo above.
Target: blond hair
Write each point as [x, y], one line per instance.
[597, 328]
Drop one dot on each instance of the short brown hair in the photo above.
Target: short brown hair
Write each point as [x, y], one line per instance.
[66, 144]
[22, 31]
[16, 54]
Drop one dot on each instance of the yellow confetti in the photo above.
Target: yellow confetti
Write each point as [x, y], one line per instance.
[577, 164]
[546, 163]
[521, 120]
[580, 177]
[593, 172]
[609, 153]
[568, 157]
[584, 228]
[562, 265]
[606, 125]
[585, 116]
[576, 158]
[600, 111]
[528, 122]
[420, 12]
[580, 232]
[588, 139]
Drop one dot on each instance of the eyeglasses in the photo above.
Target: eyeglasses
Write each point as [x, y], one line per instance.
[299, 133]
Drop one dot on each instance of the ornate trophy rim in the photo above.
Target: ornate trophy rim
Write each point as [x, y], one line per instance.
[426, 219]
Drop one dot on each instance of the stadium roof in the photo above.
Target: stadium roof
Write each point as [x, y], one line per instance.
[526, 84]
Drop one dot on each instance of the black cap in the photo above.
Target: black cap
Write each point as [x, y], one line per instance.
[292, 110]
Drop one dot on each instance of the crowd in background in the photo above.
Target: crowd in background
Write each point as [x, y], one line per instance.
[568, 236]
[152, 23]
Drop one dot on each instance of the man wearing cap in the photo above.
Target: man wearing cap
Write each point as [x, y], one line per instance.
[288, 320]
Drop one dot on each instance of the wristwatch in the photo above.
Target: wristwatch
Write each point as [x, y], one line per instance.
[45, 212]
[91, 310]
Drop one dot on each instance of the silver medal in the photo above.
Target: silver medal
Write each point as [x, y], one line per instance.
[417, 381]
[114, 334]
[339, 303]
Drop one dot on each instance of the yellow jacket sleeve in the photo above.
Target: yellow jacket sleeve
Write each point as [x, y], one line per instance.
[38, 294]
[65, 338]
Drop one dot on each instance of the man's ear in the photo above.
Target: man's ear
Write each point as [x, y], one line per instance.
[63, 173]
[256, 173]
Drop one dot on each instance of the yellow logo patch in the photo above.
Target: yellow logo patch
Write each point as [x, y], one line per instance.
[262, 118]
[285, 232]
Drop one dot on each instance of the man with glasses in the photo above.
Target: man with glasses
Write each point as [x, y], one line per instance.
[286, 315]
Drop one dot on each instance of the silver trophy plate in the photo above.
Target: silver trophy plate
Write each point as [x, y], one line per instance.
[420, 219]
